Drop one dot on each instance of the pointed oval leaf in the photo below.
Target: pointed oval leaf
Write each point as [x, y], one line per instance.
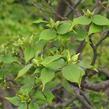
[56, 65]
[80, 34]
[29, 53]
[73, 73]
[94, 29]
[24, 71]
[47, 34]
[46, 76]
[100, 20]
[50, 59]
[82, 20]
[64, 27]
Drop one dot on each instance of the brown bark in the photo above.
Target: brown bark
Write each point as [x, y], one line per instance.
[61, 9]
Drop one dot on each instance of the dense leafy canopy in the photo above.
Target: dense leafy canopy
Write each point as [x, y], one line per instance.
[48, 63]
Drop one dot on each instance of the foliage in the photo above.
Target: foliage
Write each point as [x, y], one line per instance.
[42, 56]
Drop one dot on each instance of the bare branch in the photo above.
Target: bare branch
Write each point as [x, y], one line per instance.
[73, 8]
[81, 98]
[102, 39]
[94, 50]
[96, 86]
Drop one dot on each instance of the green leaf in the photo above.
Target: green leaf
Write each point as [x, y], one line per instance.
[47, 34]
[38, 21]
[100, 20]
[22, 106]
[82, 20]
[7, 59]
[46, 76]
[14, 100]
[39, 95]
[33, 106]
[73, 73]
[56, 65]
[50, 59]
[26, 89]
[29, 53]
[80, 34]
[94, 29]
[24, 71]
[64, 27]
[75, 57]
[49, 96]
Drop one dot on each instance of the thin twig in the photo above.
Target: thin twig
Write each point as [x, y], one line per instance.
[73, 8]
[94, 50]
[81, 98]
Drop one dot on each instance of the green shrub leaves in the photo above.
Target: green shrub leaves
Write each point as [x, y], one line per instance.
[82, 20]
[49, 57]
[24, 71]
[94, 29]
[73, 73]
[65, 27]
[46, 76]
[100, 20]
[29, 53]
[47, 34]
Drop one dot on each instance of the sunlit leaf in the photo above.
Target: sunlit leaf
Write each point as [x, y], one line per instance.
[82, 20]
[64, 27]
[29, 53]
[48, 34]
[100, 20]
[73, 73]
[50, 59]
[94, 29]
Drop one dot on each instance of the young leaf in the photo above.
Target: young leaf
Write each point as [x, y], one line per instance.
[100, 20]
[64, 27]
[73, 73]
[46, 76]
[24, 71]
[50, 59]
[29, 53]
[47, 34]
[75, 57]
[94, 29]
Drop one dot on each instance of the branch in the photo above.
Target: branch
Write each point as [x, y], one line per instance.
[94, 48]
[73, 8]
[96, 86]
[82, 97]
[81, 46]
[104, 71]
[102, 39]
